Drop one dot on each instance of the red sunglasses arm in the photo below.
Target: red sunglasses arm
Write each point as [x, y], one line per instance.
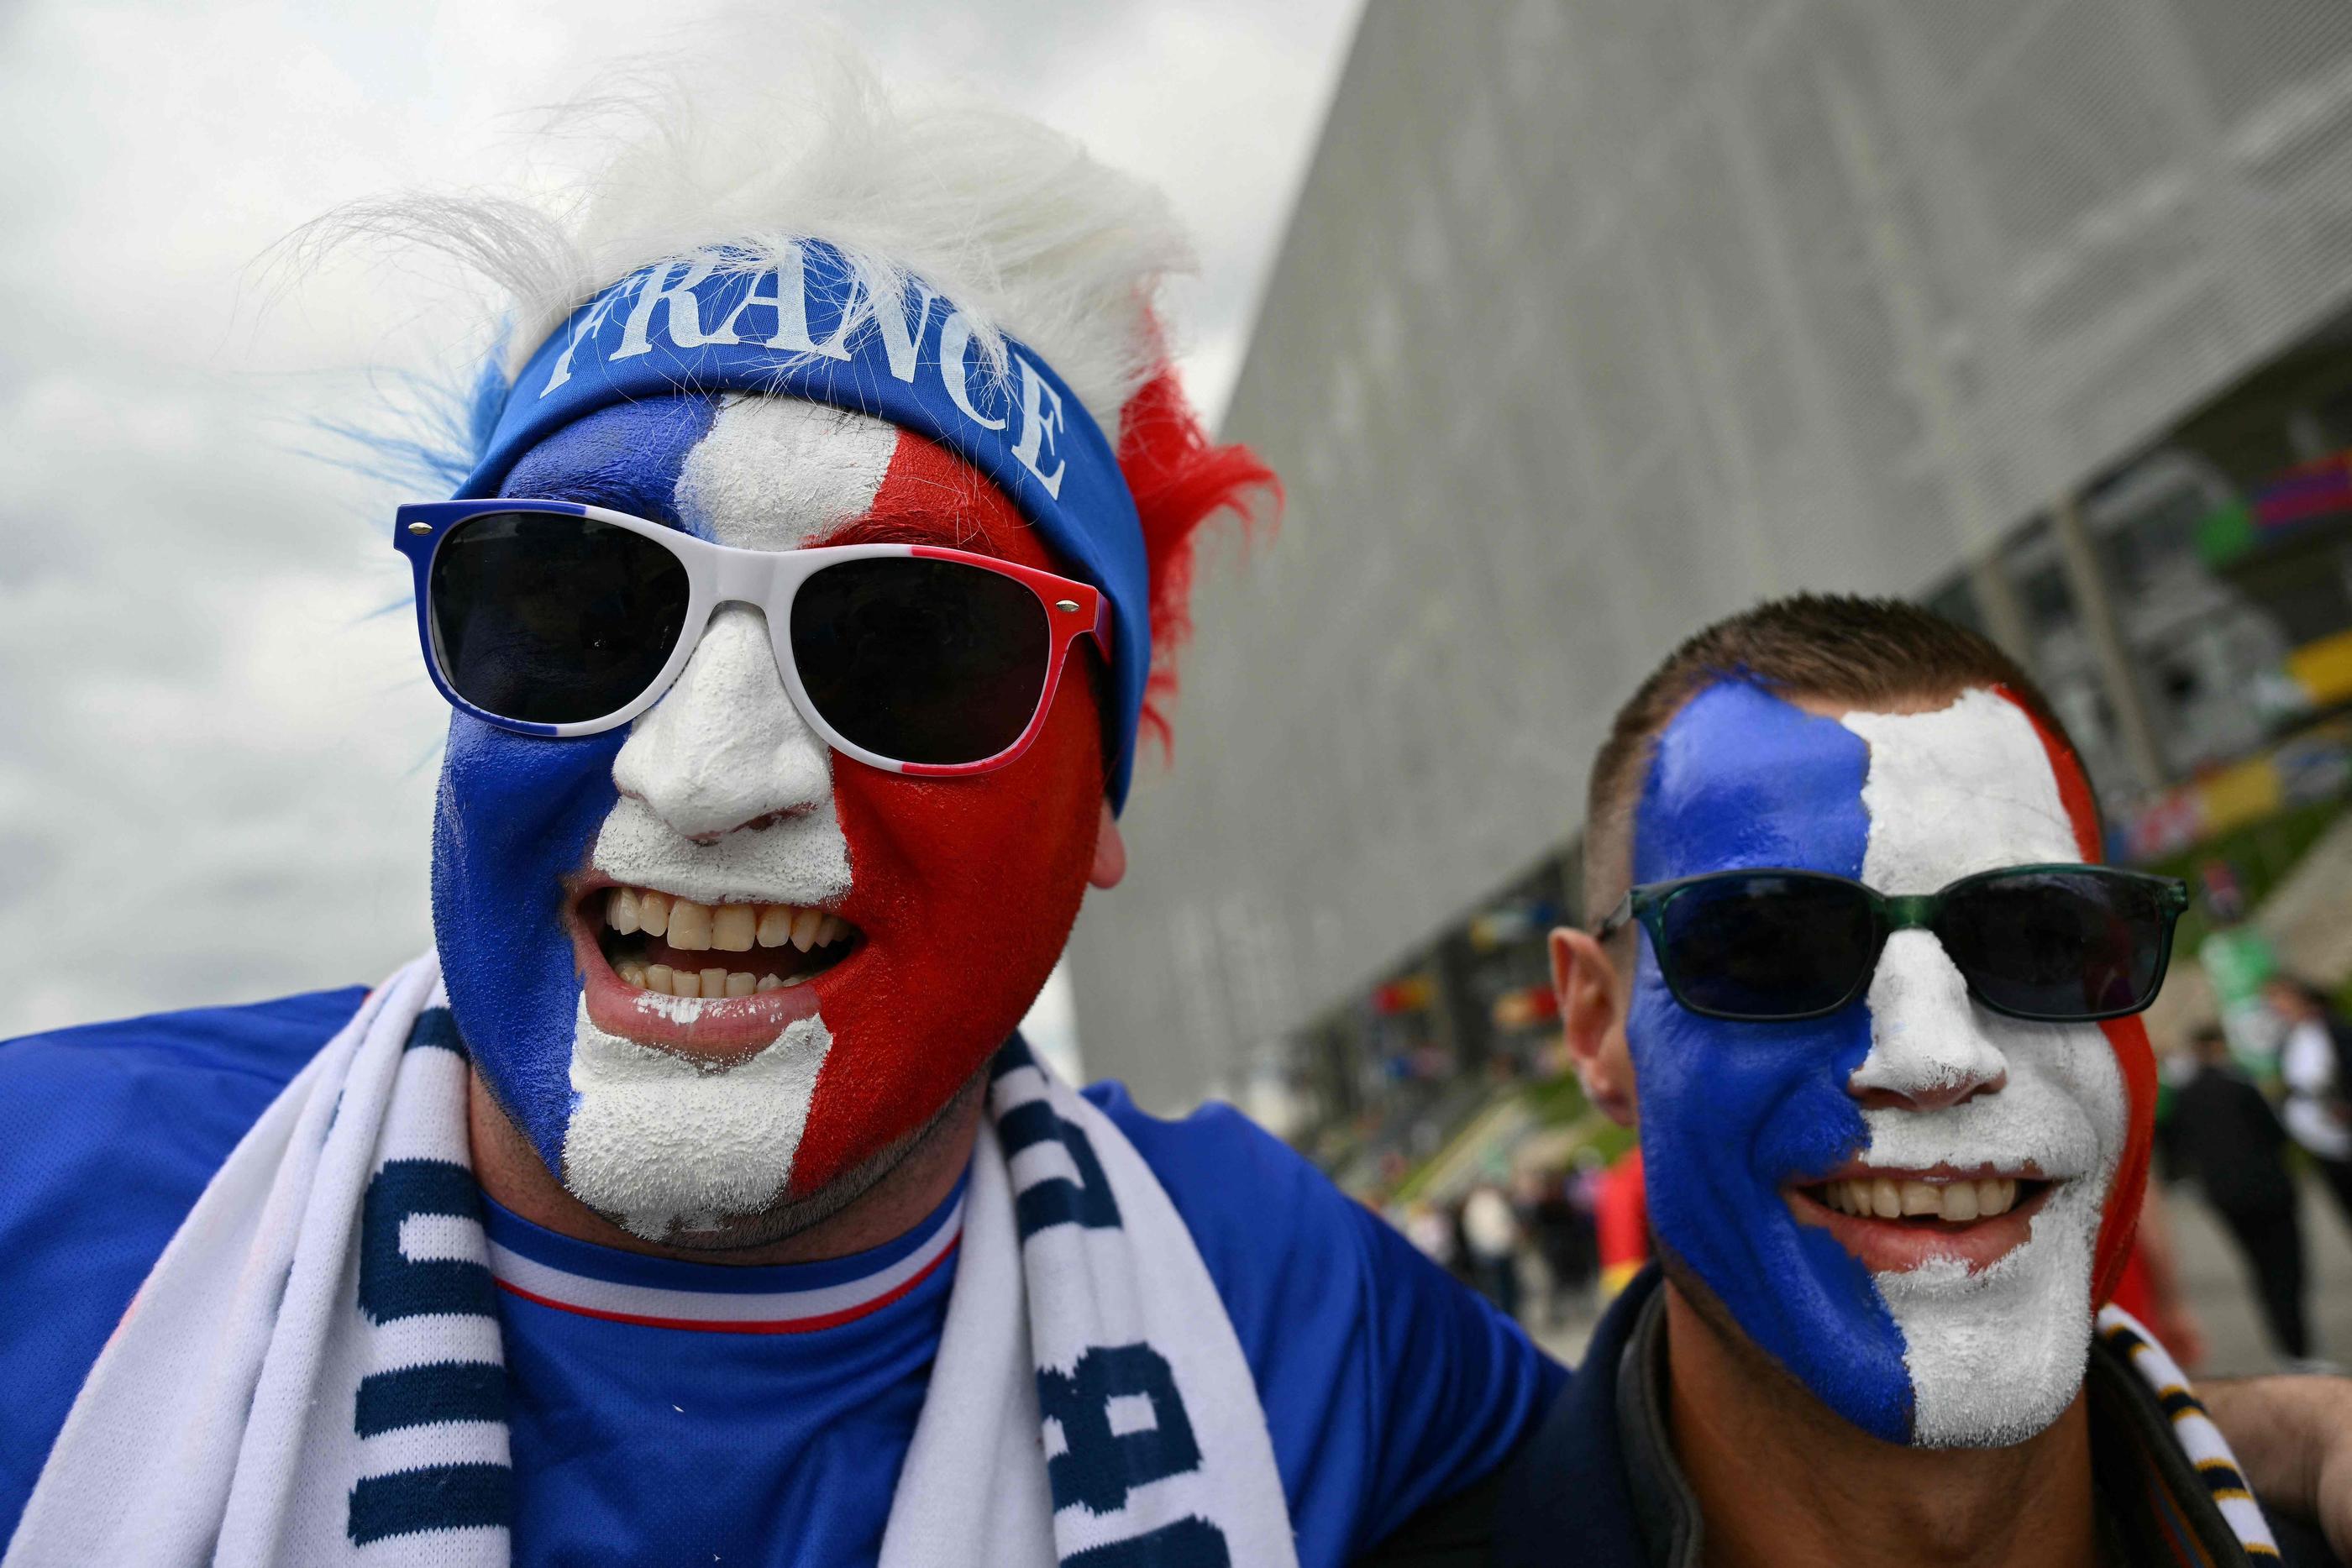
[1102, 623]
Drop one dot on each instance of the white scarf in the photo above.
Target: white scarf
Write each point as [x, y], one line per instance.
[312, 1373]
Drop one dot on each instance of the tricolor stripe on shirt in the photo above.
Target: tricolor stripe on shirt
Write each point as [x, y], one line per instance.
[535, 1265]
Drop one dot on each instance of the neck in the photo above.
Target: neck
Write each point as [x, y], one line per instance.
[914, 1178]
[1781, 1479]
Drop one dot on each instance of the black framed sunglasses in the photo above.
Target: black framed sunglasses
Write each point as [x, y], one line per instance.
[2052, 944]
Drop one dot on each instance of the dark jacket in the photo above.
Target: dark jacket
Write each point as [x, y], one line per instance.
[2226, 1133]
[1597, 1485]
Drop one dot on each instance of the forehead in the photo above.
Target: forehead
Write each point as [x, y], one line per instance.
[771, 473]
[1964, 789]
[1903, 802]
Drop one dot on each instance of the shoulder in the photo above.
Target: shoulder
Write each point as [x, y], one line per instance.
[1386, 1385]
[1287, 1249]
[157, 1096]
[1245, 1195]
[108, 1134]
[268, 1039]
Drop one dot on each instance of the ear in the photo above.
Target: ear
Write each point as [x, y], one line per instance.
[1110, 852]
[1592, 1001]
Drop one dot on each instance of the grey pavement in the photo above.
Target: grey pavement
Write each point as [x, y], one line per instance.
[2212, 1277]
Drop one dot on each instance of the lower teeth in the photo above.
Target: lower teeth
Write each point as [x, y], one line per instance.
[663, 980]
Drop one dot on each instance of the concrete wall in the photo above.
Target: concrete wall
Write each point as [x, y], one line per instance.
[1601, 317]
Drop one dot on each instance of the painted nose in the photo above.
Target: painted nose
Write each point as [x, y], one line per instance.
[725, 748]
[1928, 1048]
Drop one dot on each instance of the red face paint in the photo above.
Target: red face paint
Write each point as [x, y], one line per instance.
[2127, 1036]
[965, 888]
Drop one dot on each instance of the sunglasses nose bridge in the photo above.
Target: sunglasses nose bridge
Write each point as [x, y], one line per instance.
[756, 579]
[743, 577]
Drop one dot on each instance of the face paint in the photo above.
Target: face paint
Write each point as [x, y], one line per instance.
[515, 815]
[1729, 1111]
[1995, 1354]
[1919, 1338]
[674, 1114]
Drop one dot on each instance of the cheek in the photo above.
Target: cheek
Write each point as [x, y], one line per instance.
[514, 818]
[1744, 1106]
[1728, 1112]
[2087, 1072]
[966, 889]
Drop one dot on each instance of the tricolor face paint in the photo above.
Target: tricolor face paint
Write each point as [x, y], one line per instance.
[923, 914]
[1760, 1140]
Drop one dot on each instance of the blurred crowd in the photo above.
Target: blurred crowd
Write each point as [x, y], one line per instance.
[1549, 1245]
[2262, 1093]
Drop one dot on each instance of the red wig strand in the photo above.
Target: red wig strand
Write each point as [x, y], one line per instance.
[1180, 479]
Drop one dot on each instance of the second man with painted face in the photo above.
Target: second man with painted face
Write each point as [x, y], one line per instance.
[1855, 969]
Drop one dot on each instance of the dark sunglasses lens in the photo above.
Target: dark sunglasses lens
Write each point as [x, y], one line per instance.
[2059, 943]
[552, 619]
[1767, 947]
[921, 661]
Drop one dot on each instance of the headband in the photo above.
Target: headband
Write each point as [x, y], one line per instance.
[804, 323]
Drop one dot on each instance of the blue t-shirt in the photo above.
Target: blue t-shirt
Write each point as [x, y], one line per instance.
[664, 1411]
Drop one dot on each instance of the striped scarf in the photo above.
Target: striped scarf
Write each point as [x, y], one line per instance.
[313, 1374]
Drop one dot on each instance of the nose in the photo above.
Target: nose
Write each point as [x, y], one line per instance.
[725, 748]
[1928, 1050]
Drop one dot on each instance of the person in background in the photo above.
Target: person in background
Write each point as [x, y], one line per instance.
[1430, 1231]
[2316, 1064]
[1491, 1237]
[1622, 1220]
[2240, 962]
[1563, 1238]
[2227, 1136]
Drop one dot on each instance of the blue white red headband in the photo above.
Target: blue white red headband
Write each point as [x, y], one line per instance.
[801, 323]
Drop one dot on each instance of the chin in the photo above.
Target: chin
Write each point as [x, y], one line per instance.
[696, 1201]
[1997, 1355]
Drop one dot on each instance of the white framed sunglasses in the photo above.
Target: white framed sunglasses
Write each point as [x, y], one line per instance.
[551, 618]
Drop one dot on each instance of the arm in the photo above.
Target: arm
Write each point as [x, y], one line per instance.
[2293, 1438]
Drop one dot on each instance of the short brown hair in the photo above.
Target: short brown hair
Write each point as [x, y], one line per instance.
[1837, 646]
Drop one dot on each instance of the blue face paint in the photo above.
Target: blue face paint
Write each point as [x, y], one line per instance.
[1730, 1112]
[518, 814]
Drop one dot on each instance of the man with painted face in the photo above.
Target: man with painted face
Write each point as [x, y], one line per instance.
[1855, 967]
[816, 550]
[815, 562]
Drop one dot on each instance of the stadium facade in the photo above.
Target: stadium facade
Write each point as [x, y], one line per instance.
[1598, 320]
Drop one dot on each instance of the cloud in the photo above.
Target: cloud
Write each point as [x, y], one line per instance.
[217, 785]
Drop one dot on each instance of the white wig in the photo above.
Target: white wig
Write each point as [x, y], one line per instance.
[781, 132]
[786, 134]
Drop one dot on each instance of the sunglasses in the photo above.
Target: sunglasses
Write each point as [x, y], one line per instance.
[2054, 944]
[548, 618]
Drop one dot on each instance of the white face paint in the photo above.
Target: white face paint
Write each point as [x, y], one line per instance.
[1994, 1357]
[726, 796]
[665, 1146]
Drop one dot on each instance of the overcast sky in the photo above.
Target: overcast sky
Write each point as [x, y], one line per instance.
[216, 758]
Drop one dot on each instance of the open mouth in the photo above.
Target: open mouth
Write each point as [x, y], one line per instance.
[673, 946]
[1894, 1221]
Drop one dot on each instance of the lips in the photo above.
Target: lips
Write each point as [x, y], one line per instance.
[1894, 1220]
[716, 980]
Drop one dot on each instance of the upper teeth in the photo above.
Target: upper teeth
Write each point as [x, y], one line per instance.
[694, 927]
[1889, 1198]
